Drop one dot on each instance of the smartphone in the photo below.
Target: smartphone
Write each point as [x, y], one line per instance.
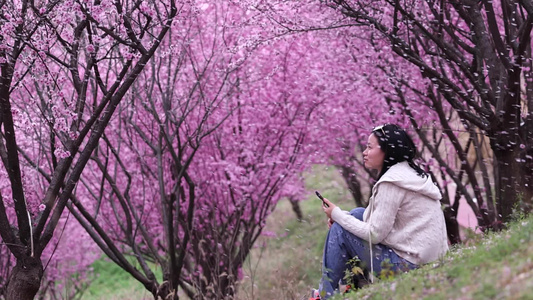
[321, 198]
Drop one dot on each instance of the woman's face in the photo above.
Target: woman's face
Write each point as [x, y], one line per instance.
[373, 156]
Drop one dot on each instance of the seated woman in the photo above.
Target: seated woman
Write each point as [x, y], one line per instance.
[403, 222]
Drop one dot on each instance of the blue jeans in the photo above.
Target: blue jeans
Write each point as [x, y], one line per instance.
[341, 246]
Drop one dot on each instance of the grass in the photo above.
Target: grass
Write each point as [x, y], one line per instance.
[110, 282]
[492, 266]
[286, 262]
[288, 265]
[498, 266]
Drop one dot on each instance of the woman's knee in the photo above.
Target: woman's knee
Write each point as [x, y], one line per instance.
[337, 233]
[358, 212]
[336, 228]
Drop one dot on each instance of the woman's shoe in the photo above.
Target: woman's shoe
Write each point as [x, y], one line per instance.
[315, 295]
[343, 289]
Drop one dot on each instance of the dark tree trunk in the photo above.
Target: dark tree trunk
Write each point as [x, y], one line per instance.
[512, 180]
[527, 179]
[354, 186]
[452, 226]
[228, 286]
[296, 209]
[25, 279]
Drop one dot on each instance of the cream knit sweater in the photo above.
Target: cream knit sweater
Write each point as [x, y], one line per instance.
[404, 213]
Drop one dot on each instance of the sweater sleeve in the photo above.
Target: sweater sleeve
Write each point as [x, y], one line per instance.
[387, 200]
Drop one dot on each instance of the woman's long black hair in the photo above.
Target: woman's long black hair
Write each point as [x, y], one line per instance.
[398, 146]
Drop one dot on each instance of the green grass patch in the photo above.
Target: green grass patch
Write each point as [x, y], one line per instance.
[489, 266]
[110, 282]
[498, 266]
[288, 265]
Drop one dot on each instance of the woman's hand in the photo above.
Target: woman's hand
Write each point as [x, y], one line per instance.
[328, 210]
[330, 223]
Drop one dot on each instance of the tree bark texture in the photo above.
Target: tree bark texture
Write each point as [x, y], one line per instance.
[354, 186]
[296, 209]
[513, 182]
[25, 279]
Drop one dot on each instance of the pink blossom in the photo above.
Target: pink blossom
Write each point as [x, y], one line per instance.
[90, 48]
[128, 55]
[61, 153]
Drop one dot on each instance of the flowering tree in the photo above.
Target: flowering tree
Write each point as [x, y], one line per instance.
[404, 101]
[65, 68]
[187, 178]
[67, 261]
[364, 63]
[170, 130]
[476, 55]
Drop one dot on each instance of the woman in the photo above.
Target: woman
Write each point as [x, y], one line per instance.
[403, 222]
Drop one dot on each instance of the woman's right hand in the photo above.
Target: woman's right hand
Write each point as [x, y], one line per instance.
[328, 207]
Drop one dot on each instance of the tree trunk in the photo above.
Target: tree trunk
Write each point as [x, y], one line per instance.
[450, 211]
[526, 167]
[296, 209]
[228, 287]
[452, 226]
[25, 279]
[512, 181]
[354, 186]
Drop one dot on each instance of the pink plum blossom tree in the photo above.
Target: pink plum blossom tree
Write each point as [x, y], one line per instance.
[171, 129]
[477, 56]
[187, 178]
[65, 68]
